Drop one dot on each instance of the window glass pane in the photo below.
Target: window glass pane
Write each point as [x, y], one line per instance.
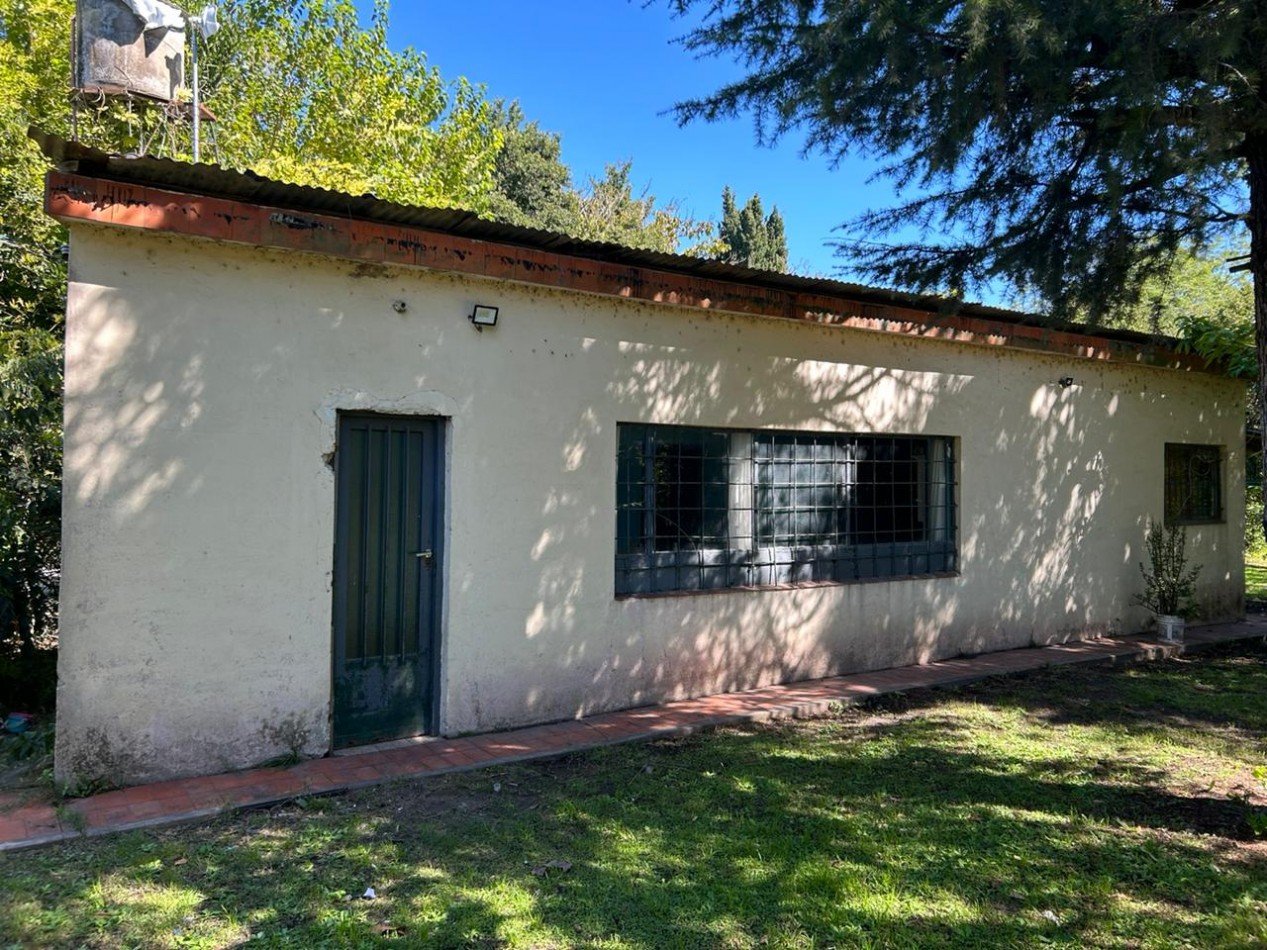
[1193, 484]
[689, 476]
[631, 489]
[701, 508]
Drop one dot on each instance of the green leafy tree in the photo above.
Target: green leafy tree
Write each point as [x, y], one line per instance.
[1069, 147]
[611, 211]
[531, 184]
[34, 77]
[752, 238]
[1202, 285]
[304, 92]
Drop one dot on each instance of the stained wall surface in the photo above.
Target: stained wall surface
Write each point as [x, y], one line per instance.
[203, 386]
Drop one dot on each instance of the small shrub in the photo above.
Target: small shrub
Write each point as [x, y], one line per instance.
[1169, 585]
[34, 744]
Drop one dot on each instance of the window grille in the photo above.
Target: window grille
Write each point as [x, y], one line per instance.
[1194, 484]
[701, 509]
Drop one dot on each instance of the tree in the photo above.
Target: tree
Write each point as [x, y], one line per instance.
[302, 92]
[531, 184]
[751, 238]
[532, 187]
[610, 211]
[33, 81]
[1069, 147]
[1199, 288]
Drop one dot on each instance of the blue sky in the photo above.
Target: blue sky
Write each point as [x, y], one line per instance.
[602, 73]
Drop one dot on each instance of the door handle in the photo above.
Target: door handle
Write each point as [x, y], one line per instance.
[426, 557]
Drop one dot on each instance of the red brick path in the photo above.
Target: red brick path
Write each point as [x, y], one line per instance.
[183, 799]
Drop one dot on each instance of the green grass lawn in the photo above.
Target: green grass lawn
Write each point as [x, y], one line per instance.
[1256, 580]
[1091, 807]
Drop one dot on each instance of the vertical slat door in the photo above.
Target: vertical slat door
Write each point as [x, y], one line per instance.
[387, 563]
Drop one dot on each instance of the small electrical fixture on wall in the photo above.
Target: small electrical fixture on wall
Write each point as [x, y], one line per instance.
[483, 316]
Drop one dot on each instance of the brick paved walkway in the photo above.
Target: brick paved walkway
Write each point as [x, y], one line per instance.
[183, 799]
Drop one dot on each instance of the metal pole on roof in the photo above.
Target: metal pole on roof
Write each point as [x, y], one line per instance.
[204, 23]
[193, 47]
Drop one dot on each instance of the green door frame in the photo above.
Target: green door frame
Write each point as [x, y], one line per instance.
[388, 552]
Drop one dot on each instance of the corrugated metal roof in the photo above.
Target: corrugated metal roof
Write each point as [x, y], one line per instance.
[219, 182]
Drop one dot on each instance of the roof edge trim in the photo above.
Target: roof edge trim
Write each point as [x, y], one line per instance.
[84, 198]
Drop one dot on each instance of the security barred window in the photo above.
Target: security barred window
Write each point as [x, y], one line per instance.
[701, 509]
[1194, 484]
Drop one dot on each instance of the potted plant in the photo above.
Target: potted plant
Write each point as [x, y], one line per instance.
[1169, 584]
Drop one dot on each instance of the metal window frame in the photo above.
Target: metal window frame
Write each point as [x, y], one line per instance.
[1180, 510]
[747, 559]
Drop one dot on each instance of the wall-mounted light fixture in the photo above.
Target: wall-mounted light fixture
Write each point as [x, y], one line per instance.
[483, 317]
[1065, 382]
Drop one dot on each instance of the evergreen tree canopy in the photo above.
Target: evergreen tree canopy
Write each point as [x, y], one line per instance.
[531, 184]
[751, 238]
[1069, 147]
[610, 211]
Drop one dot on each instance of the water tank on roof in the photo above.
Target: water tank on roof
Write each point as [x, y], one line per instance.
[129, 46]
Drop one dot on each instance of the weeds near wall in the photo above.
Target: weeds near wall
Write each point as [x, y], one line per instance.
[289, 732]
[95, 763]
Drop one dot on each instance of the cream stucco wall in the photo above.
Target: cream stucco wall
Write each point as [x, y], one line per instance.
[203, 382]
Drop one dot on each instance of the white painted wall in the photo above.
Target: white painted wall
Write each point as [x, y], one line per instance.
[202, 385]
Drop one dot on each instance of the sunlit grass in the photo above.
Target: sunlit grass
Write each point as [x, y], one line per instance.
[1256, 580]
[1099, 807]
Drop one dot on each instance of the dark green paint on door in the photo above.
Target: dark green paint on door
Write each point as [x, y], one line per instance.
[386, 577]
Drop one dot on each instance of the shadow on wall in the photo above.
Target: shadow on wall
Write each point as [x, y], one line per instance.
[168, 536]
[152, 449]
[1044, 557]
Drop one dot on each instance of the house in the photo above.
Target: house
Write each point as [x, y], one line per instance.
[339, 471]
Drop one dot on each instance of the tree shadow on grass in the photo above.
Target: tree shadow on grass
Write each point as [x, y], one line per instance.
[877, 828]
[738, 838]
[1220, 694]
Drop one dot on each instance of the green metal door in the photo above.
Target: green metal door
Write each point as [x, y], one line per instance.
[386, 577]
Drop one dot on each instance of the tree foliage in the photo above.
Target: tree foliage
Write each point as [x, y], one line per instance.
[1198, 285]
[751, 237]
[610, 210]
[1067, 147]
[532, 187]
[1207, 305]
[1070, 148]
[33, 81]
[306, 93]
[34, 77]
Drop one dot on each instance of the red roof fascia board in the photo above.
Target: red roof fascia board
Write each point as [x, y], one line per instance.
[74, 198]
